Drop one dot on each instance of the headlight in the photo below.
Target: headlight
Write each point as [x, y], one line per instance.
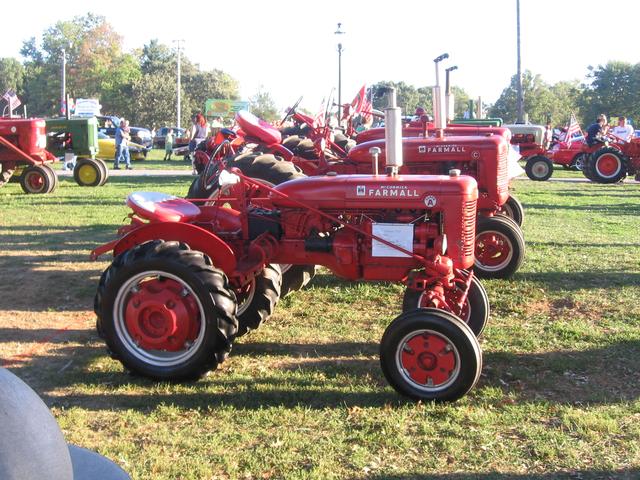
[42, 141]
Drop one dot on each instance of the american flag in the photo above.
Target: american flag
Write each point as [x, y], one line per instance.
[12, 99]
[574, 127]
[361, 103]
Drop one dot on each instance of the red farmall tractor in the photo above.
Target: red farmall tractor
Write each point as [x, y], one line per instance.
[480, 153]
[22, 143]
[187, 280]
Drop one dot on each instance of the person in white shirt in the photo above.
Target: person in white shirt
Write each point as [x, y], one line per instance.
[623, 130]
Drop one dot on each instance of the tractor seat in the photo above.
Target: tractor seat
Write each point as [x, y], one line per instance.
[160, 207]
[255, 127]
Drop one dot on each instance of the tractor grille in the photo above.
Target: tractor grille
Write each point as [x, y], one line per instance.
[469, 228]
[502, 173]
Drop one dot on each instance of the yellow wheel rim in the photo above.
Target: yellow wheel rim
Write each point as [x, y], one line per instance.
[88, 174]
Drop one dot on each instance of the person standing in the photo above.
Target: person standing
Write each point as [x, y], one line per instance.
[120, 139]
[168, 145]
[126, 155]
[623, 130]
[199, 133]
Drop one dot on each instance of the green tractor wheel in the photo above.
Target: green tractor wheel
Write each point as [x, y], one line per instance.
[90, 172]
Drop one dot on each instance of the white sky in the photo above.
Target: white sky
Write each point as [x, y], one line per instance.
[289, 46]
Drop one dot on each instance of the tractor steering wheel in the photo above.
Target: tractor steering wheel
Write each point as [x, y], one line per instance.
[215, 165]
[291, 111]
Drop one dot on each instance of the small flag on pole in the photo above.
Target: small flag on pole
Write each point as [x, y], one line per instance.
[573, 128]
[361, 103]
[12, 100]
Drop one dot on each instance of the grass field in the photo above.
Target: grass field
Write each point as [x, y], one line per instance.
[304, 397]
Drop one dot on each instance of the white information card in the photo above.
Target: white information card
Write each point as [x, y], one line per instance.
[400, 234]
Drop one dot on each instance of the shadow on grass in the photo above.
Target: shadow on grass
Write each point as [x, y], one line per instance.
[576, 280]
[623, 474]
[310, 375]
[609, 209]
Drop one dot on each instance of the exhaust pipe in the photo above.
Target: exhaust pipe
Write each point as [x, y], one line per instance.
[393, 132]
[449, 99]
[438, 101]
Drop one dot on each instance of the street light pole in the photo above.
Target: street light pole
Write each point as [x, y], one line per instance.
[339, 32]
[178, 94]
[520, 100]
[63, 82]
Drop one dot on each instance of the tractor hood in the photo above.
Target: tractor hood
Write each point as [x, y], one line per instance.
[418, 192]
[458, 148]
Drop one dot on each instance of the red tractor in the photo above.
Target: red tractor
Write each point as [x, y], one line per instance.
[500, 244]
[612, 161]
[186, 280]
[23, 142]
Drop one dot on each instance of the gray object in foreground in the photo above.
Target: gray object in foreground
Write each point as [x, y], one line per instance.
[32, 446]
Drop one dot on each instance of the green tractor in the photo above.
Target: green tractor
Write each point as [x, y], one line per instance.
[78, 137]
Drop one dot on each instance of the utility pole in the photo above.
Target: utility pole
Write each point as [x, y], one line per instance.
[520, 100]
[63, 82]
[179, 48]
[339, 32]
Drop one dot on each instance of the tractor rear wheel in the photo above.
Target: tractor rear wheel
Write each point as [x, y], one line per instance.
[475, 311]
[271, 170]
[258, 299]
[607, 165]
[165, 311]
[513, 209]
[539, 168]
[430, 355]
[499, 248]
[5, 174]
[89, 172]
[38, 179]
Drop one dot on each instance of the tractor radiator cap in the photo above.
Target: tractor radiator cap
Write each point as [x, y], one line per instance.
[454, 172]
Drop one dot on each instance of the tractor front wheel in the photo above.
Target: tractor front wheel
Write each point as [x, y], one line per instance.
[258, 299]
[539, 168]
[474, 312]
[578, 162]
[607, 165]
[5, 174]
[165, 311]
[430, 355]
[38, 179]
[90, 172]
[499, 248]
[513, 209]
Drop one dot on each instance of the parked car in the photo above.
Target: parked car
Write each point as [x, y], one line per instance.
[178, 133]
[107, 148]
[107, 124]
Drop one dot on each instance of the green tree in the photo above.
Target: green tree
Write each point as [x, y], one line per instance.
[263, 106]
[541, 100]
[613, 90]
[153, 100]
[11, 75]
[408, 97]
[96, 64]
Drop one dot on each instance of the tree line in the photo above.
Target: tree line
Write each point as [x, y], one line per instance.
[139, 85]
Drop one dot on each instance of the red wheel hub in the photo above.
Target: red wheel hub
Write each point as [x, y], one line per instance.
[35, 181]
[162, 315]
[429, 359]
[608, 165]
[492, 248]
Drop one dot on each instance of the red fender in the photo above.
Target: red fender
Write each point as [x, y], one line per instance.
[196, 237]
